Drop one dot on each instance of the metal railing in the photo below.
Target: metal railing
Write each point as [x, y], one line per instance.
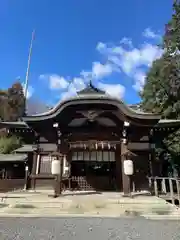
[165, 187]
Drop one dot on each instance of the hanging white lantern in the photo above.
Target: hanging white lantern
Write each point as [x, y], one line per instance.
[55, 166]
[128, 167]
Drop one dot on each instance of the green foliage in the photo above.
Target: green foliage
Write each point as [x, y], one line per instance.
[12, 103]
[9, 144]
[161, 93]
[171, 39]
[16, 101]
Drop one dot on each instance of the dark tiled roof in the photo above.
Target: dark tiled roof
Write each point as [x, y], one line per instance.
[26, 149]
[13, 157]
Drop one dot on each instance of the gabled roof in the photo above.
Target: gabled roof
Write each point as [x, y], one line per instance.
[168, 123]
[26, 149]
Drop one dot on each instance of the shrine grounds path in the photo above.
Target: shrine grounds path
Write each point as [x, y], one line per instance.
[88, 228]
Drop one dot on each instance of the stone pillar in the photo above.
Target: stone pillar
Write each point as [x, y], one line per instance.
[126, 181]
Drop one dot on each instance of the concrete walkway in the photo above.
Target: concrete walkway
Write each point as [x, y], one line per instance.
[107, 204]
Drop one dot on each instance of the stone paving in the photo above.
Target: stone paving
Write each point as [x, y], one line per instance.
[88, 228]
[109, 204]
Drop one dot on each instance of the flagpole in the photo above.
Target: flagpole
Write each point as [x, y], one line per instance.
[28, 66]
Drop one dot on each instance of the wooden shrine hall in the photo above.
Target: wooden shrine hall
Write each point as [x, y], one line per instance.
[93, 134]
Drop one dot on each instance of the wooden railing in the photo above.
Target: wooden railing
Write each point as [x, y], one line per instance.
[166, 187]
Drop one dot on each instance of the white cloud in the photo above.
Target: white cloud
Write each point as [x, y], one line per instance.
[131, 60]
[115, 90]
[58, 82]
[76, 84]
[55, 81]
[101, 70]
[101, 46]
[98, 71]
[140, 78]
[30, 91]
[121, 57]
[126, 41]
[148, 33]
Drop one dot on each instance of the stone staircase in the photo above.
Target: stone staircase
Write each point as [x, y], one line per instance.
[105, 204]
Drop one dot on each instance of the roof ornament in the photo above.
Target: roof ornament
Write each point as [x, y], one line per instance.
[90, 84]
[90, 89]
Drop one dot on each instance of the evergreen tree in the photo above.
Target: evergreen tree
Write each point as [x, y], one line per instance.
[12, 103]
[3, 104]
[16, 102]
[161, 93]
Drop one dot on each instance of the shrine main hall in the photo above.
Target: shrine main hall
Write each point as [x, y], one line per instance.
[94, 134]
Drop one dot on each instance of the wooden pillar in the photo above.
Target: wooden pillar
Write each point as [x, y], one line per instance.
[34, 164]
[58, 180]
[152, 155]
[33, 173]
[118, 169]
[126, 181]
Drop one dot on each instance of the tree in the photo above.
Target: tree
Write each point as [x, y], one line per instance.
[12, 104]
[3, 104]
[16, 102]
[161, 93]
[9, 144]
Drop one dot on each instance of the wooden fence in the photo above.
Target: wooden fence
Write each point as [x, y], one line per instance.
[166, 187]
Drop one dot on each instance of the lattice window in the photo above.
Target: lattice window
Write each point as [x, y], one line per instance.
[45, 164]
[74, 156]
[112, 156]
[93, 156]
[80, 156]
[99, 156]
[86, 156]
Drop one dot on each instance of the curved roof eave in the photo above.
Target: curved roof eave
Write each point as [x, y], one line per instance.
[168, 123]
[17, 124]
[98, 98]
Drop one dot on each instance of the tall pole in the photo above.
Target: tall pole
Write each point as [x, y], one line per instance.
[28, 66]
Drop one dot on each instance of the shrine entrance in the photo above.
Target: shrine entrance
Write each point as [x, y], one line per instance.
[94, 170]
[94, 131]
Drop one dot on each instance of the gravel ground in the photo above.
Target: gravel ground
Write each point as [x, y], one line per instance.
[87, 229]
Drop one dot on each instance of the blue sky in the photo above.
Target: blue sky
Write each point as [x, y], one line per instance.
[112, 42]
